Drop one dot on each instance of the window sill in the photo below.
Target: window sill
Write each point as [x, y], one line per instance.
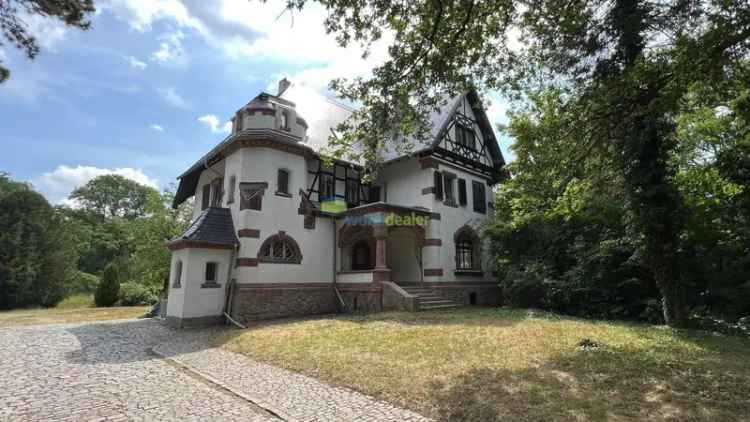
[210, 285]
[283, 194]
[271, 261]
[469, 272]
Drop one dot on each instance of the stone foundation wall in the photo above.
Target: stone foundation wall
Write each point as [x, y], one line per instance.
[254, 302]
[361, 297]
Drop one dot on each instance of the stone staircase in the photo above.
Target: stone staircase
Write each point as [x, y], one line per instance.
[429, 298]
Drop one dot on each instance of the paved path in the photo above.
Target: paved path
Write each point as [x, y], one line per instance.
[141, 370]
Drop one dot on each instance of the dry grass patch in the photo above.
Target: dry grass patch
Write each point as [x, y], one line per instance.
[498, 364]
[66, 315]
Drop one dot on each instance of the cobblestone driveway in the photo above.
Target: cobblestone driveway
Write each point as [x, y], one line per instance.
[112, 372]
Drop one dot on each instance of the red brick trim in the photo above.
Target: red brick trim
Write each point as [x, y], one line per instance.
[252, 233]
[184, 244]
[433, 272]
[246, 262]
[433, 242]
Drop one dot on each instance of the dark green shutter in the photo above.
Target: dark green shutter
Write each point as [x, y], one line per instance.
[438, 185]
[462, 191]
[480, 204]
[206, 196]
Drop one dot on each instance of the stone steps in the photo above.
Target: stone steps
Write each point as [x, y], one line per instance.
[430, 299]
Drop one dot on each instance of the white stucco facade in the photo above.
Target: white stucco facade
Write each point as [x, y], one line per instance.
[273, 187]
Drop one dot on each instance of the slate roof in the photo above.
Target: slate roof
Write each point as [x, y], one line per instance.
[213, 225]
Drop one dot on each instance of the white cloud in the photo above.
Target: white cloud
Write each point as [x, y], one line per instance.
[141, 14]
[59, 183]
[135, 63]
[213, 122]
[174, 99]
[156, 127]
[171, 49]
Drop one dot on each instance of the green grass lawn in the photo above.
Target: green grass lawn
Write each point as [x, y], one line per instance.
[76, 308]
[512, 365]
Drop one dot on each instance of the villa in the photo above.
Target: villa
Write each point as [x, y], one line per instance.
[277, 232]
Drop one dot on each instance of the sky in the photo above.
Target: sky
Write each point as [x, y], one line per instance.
[151, 86]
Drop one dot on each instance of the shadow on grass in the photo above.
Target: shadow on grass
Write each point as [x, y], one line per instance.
[595, 385]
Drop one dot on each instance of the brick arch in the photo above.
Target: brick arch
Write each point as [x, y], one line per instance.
[280, 248]
[463, 233]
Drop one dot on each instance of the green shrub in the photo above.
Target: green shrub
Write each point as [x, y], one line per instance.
[77, 301]
[108, 290]
[135, 294]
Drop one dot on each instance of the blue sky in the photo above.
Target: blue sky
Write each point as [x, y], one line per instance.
[150, 87]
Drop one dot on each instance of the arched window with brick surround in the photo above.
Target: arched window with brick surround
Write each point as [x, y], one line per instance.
[467, 244]
[280, 249]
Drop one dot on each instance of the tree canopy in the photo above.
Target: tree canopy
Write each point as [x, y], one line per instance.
[624, 68]
[12, 13]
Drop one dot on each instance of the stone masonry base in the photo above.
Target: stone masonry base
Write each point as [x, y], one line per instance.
[254, 302]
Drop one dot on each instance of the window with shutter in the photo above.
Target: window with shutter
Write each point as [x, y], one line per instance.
[462, 192]
[211, 272]
[480, 204]
[217, 190]
[205, 196]
[438, 185]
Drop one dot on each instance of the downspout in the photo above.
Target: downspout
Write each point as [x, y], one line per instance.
[335, 253]
[229, 292]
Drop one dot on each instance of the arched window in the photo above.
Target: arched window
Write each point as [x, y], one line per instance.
[280, 249]
[467, 249]
[361, 256]
[282, 181]
[177, 275]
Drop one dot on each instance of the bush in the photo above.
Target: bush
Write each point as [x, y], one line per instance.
[108, 290]
[135, 294]
[81, 282]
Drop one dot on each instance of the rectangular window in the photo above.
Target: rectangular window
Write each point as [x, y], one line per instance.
[480, 203]
[326, 189]
[251, 195]
[211, 272]
[217, 188]
[438, 185]
[205, 196]
[352, 193]
[232, 187]
[462, 192]
[448, 186]
[465, 136]
[282, 181]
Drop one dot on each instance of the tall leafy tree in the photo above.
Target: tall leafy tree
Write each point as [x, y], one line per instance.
[112, 195]
[36, 249]
[627, 63]
[13, 12]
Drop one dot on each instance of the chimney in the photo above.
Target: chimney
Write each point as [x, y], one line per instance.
[283, 85]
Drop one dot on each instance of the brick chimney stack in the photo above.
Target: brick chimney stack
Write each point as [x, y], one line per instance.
[283, 85]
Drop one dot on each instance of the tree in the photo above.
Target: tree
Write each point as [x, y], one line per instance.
[112, 195]
[71, 12]
[36, 249]
[626, 64]
[108, 290]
